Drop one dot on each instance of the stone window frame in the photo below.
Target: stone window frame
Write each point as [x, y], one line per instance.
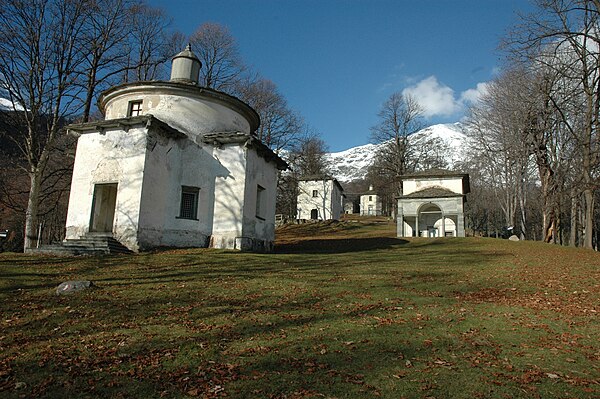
[135, 108]
[260, 199]
[188, 206]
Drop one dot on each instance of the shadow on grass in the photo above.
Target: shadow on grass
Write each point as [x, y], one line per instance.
[338, 245]
[271, 325]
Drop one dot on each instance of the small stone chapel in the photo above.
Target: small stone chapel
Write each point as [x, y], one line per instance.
[174, 164]
[432, 204]
[370, 203]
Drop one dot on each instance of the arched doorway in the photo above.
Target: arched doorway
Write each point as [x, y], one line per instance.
[427, 217]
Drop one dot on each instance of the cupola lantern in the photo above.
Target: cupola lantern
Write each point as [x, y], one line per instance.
[186, 67]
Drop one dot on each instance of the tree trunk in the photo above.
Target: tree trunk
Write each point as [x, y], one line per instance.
[522, 216]
[31, 214]
[588, 223]
[89, 95]
[574, 227]
[559, 236]
[548, 203]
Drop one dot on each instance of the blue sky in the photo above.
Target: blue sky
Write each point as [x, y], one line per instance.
[337, 61]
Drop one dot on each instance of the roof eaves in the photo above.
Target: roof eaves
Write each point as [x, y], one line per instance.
[125, 124]
[249, 140]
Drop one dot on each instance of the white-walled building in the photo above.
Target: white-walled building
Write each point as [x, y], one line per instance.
[370, 203]
[432, 204]
[174, 164]
[320, 198]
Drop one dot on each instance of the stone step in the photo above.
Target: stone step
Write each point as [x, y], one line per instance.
[87, 245]
[99, 243]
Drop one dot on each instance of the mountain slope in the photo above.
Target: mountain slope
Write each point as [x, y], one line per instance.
[352, 164]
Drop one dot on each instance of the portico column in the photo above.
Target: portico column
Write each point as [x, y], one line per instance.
[418, 234]
[400, 223]
[443, 224]
[460, 225]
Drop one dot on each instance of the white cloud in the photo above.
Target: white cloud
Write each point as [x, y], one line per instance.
[438, 99]
[435, 98]
[471, 96]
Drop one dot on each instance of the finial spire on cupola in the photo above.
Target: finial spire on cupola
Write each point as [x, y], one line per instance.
[186, 67]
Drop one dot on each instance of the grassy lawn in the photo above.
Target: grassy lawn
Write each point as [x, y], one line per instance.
[342, 310]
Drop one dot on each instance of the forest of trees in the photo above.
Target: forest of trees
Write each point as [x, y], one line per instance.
[534, 134]
[536, 130]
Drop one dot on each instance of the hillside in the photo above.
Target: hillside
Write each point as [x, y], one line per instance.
[352, 164]
[343, 309]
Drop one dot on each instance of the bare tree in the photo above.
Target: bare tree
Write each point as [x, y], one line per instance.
[39, 58]
[499, 127]
[104, 39]
[222, 65]
[54, 56]
[150, 44]
[563, 36]
[280, 127]
[399, 117]
[549, 144]
[308, 156]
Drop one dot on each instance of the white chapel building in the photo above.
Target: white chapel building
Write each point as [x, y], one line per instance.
[319, 198]
[174, 164]
[432, 204]
[370, 203]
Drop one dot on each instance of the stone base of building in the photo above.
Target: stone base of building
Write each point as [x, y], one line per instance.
[246, 244]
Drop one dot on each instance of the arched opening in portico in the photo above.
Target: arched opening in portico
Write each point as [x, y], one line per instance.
[447, 228]
[427, 216]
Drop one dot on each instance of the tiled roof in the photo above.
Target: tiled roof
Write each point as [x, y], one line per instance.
[125, 124]
[250, 140]
[316, 177]
[435, 172]
[432, 192]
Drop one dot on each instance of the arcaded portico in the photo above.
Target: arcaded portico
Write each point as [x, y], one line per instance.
[432, 204]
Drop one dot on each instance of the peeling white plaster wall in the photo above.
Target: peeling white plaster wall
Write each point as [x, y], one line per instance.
[111, 157]
[192, 115]
[151, 167]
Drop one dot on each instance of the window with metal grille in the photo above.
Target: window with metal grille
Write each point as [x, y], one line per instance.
[260, 199]
[189, 203]
[135, 108]
[315, 193]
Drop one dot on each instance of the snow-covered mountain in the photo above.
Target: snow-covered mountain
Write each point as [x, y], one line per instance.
[352, 164]
[5, 104]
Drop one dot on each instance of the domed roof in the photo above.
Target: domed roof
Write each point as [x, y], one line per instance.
[186, 53]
